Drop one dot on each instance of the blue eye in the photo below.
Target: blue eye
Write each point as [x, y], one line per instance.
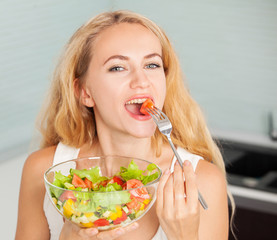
[116, 69]
[152, 66]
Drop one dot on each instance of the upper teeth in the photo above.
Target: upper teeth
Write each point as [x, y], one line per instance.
[137, 100]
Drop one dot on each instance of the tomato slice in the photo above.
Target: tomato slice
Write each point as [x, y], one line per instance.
[101, 222]
[134, 204]
[88, 183]
[67, 195]
[140, 194]
[104, 183]
[133, 183]
[117, 180]
[78, 182]
[147, 104]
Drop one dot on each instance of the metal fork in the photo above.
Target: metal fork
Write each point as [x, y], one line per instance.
[165, 127]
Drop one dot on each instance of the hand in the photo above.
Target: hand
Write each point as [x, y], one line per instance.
[72, 231]
[178, 215]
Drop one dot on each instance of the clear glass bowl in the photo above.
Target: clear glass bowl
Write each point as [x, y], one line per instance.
[104, 210]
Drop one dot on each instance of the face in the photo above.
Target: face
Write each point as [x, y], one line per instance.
[126, 68]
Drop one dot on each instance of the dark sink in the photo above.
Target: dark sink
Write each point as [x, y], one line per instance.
[250, 166]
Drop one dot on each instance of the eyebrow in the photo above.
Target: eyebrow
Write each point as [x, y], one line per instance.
[125, 58]
[153, 55]
[121, 57]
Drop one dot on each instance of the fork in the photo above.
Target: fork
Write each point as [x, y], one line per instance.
[165, 127]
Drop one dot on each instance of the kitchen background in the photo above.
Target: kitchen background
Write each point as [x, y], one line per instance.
[228, 51]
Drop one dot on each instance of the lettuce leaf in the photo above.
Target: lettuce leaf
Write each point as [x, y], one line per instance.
[133, 172]
[110, 188]
[59, 181]
[82, 195]
[55, 192]
[92, 174]
[88, 207]
[110, 199]
[151, 167]
[150, 178]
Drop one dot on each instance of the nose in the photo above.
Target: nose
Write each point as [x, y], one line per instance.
[139, 79]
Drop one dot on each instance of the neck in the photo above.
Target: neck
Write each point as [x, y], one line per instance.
[124, 146]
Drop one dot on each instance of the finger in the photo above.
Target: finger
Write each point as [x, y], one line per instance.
[179, 190]
[131, 227]
[160, 190]
[169, 196]
[115, 233]
[87, 232]
[191, 187]
[78, 231]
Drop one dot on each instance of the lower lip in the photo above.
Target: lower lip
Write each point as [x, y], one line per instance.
[139, 117]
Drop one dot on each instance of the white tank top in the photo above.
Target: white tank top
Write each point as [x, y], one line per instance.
[64, 153]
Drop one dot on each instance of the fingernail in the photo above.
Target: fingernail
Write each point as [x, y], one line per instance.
[134, 226]
[166, 172]
[94, 231]
[90, 231]
[118, 232]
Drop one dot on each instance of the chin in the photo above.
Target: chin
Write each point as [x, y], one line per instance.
[143, 133]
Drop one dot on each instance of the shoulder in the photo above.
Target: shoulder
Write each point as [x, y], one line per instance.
[35, 166]
[211, 181]
[209, 175]
[38, 162]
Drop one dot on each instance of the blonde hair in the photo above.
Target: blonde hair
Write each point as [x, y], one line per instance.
[67, 120]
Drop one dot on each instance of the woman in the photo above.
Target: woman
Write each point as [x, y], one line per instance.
[114, 58]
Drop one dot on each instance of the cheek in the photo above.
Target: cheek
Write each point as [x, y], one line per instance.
[106, 98]
[100, 91]
[162, 89]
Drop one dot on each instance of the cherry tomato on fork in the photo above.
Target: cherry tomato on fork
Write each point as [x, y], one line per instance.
[147, 104]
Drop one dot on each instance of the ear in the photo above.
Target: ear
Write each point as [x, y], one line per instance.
[86, 98]
[83, 94]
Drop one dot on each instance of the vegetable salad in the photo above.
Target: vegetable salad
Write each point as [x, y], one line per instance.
[98, 201]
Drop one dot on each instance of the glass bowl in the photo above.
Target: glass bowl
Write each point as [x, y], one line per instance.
[103, 192]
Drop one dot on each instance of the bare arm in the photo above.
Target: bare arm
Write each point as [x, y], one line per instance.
[212, 184]
[31, 222]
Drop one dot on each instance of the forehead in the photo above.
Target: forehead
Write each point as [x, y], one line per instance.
[125, 38]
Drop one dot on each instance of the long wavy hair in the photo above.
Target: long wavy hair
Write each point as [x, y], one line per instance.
[66, 119]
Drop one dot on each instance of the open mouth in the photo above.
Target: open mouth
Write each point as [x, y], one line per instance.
[133, 106]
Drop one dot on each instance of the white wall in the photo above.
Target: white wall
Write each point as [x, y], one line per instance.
[10, 182]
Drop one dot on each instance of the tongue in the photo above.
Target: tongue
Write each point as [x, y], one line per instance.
[134, 108]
